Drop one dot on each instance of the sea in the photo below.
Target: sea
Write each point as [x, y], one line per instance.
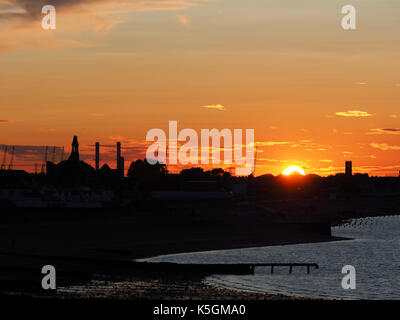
[373, 251]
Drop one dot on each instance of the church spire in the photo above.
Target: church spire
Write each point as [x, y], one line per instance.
[75, 149]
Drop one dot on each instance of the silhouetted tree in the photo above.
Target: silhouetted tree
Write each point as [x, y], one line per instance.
[218, 172]
[193, 173]
[142, 170]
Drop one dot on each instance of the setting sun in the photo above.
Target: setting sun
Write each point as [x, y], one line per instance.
[293, 169]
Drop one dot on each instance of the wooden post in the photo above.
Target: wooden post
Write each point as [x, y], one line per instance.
[272, 269]
[290, 269]
[308, 268]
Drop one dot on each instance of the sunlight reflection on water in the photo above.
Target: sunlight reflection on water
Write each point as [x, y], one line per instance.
[374, 253]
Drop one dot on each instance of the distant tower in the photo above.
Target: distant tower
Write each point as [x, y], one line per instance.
[120, 160]
[75, 149]
[349, 168]
[97, 155]
[118, 154]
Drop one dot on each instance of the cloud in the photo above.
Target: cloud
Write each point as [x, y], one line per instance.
[182, 20]
[46, 129]
[309, 145]
[362, 83]
[116, 138]
[271, 143]
[97, 114]
[4, 121]
[384, 131]
[354, 113]
[20, 20]
[384, 146]
[31, 9]
[216, 106]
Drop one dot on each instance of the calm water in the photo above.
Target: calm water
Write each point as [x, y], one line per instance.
[374, 252]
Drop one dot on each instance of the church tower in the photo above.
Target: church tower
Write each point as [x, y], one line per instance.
[75, 149]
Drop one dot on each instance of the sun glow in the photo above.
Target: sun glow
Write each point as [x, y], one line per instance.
[293, 169]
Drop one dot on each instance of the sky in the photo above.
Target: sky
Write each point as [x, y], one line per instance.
[315, 94]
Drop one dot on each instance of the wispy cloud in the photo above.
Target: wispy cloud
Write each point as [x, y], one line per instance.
[354, 113]
[384, 131]
[272, 143]
[309, 145]
[4, 121]
[384, 146]
[21, 20]
[116, 138]
[183, 20]
[216, 107]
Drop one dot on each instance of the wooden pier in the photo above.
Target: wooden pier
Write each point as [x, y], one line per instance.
[237, 269]
[290, 265]
[84, 268]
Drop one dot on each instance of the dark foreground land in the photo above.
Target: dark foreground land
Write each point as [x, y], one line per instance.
[92, 250]
[93, 255]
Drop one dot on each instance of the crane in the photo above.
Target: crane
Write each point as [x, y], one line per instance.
[3, 164]
[53, 159]
[10, 165]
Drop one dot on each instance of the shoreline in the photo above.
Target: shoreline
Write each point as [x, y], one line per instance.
[164, 286]
[160, 289]
[83, 256]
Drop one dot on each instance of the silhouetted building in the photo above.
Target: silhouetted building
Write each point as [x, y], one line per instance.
[71, 172]
[349, 168]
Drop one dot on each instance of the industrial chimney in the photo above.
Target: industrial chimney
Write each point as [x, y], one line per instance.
[97, 155]
[349, 168]
[120, 160]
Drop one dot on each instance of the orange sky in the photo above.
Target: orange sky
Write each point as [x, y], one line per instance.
[112, 70]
